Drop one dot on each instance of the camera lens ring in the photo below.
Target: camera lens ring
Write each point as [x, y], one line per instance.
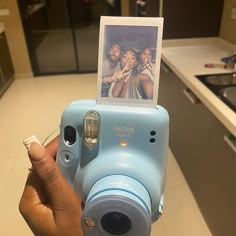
[96, 209]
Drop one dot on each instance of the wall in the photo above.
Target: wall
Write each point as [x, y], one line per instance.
[16, 39]
[228, 25]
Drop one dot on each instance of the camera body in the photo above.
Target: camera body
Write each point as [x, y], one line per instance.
[115, 158]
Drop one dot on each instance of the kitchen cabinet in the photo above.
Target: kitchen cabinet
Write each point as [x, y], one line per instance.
[189, 19]
[6, 66]
[208, 163]
[184, 18]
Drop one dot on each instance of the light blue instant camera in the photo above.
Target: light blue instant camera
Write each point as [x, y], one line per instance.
[115, 158]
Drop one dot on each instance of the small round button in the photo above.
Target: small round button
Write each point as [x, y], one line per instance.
[67, 158]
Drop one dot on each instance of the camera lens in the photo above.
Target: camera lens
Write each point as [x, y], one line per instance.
[116, 223]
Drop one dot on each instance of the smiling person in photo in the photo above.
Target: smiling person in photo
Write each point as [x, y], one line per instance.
[129, 83]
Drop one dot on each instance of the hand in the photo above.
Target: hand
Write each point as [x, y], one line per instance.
[149, 65]
[118, 75]
[48, 204]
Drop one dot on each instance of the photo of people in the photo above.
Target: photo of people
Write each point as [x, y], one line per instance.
[129, 60]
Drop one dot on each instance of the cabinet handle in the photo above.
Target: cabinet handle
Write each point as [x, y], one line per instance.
[191, 96]
[231, 141]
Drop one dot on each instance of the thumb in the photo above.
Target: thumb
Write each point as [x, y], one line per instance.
[47, 170]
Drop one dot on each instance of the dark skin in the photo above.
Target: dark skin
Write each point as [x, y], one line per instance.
[145, 59]
[142, 82]
[48, 204]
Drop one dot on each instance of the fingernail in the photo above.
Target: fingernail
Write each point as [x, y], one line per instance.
[37, 151]
[27, 142]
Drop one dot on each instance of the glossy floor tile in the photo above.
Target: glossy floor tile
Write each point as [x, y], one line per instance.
[34, 106]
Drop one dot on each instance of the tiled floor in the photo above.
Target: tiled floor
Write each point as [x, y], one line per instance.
[34, 106]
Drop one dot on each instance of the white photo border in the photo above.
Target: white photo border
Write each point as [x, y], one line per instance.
[130, 21]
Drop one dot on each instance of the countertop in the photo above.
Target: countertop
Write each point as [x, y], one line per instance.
[186, 57]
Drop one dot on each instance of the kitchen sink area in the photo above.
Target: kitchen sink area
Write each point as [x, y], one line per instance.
[202, 106]
[223, 86]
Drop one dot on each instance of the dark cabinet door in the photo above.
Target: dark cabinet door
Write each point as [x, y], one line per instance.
[206, 160]
[63, 35]
[183, 18]
[188, 18]
[6, 70]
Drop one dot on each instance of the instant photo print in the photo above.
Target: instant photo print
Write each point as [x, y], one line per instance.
[129, 61]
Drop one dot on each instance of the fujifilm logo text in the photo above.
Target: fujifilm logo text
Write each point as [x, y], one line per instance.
[123, 129]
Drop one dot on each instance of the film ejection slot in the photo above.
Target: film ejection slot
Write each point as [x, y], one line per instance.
[91, 128]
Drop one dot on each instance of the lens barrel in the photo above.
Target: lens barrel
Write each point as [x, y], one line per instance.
[117, 205]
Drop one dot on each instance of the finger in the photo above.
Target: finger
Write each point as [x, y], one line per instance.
[33, 200]
[150, 61]
[126, 66]
[116, 76]
[47, 171]
[52, 147]
[127, 73]
[35, 211]
[32, 195]
[128, 76]
[33, 192]
[148, 66]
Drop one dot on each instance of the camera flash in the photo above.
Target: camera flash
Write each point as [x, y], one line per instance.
[123, 144]
[91, 128]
